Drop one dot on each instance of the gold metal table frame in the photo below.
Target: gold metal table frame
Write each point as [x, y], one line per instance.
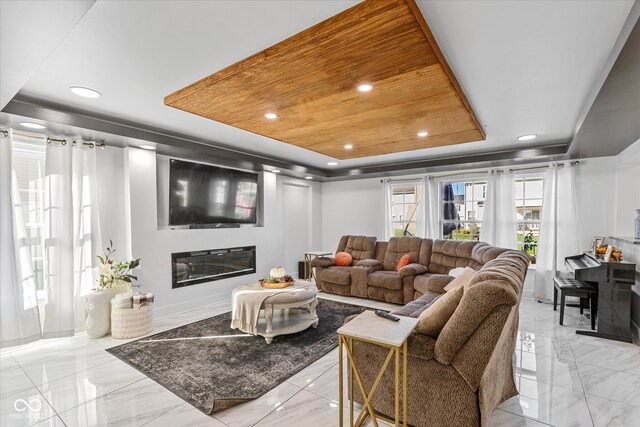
[308, 257]
[394, 353]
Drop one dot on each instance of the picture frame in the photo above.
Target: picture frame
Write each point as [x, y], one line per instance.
[607, 255]
[597, 241]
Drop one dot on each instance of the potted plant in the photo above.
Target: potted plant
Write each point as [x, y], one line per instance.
[113, 278]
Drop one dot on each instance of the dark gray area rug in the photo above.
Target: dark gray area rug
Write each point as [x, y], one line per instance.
[214, 367]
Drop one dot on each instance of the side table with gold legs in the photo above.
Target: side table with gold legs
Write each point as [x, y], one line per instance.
[308, 257]
[370, 328]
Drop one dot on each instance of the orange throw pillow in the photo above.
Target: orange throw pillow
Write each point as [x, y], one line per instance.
[404, 260]
[344, 259]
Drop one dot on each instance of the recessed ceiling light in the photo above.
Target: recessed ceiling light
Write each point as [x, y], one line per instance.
[333, 163]
[32, 125]
[308, 177]
[365, 87]
[423, 133]
[147, 147]
[348, 146]
[527, 137]
[85, 92]
[271, 116]
[276, 171]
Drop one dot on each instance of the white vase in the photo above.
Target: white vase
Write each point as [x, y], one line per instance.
[97, 313]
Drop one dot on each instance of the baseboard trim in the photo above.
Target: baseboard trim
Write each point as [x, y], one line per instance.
[191, 305]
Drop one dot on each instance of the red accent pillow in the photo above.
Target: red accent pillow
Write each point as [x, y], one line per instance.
[404, 260]
[344, 259]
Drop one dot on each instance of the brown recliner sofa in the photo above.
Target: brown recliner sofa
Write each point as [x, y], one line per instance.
[460, 377]
[348, 280]
[373, 271]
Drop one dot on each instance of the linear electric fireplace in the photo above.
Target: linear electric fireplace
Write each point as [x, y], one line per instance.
[190, 268]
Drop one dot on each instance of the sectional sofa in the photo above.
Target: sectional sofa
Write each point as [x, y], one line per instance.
[373, 273]
[459, 376]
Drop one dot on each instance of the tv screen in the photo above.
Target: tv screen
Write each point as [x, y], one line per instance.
[204, 194]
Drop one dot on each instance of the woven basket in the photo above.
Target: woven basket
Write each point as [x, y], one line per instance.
[131, 322]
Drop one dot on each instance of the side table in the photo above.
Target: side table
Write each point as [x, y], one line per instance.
[308, 256]
[373, 329]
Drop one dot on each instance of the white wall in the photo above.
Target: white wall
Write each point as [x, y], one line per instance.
[110, 178]
[132, 178]
[351, 207]
[627, 190]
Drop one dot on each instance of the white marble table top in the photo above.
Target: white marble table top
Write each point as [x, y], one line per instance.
[369, 326]
[318, 253]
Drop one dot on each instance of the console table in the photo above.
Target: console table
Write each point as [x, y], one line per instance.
[370, 328]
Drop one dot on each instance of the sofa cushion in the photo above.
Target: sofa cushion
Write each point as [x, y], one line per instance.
[416, 307]
[429, 282]
[403, 261]
[385, 279]
[339, 275]
[344, 259]
[359, 247]
[449, 254]
[399, 246]
[433, 319]
[461, 280]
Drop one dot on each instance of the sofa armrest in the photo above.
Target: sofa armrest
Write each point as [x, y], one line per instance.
[322, 262]
[368, 263]
[421, 346]
[412, 270]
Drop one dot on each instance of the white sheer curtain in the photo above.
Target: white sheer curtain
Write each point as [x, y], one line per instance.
[499, 215]
[19, 316]
[432, 207]
[386, 197]
[558, 227]
[72, 235]
[421, 224]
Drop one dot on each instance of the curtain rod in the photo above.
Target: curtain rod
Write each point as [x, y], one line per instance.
[511, 170]
[90, 144]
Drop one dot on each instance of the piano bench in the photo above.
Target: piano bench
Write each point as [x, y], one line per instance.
[569, 287]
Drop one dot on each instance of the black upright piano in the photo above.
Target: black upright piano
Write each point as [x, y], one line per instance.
[614, 281]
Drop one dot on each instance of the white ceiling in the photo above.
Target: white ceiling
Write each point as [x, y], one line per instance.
[525, 66]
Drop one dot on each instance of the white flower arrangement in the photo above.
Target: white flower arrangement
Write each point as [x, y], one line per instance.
[111, 272]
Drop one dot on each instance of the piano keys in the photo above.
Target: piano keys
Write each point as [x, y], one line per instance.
[613, 281]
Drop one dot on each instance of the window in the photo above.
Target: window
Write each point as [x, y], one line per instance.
[28, 162]
[528, 213]
[405, 199]
[462, 206]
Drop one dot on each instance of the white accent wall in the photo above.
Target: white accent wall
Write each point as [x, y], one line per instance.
[627, 189]
[131, 180]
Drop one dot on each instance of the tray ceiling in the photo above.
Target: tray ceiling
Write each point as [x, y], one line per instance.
[310, 81]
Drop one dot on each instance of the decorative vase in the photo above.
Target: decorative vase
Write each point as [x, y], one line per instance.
[97, 313]
[638, 225]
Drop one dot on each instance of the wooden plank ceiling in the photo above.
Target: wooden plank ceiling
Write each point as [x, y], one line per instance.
[309, 80]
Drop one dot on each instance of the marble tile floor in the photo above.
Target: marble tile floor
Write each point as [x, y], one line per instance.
[564, 379]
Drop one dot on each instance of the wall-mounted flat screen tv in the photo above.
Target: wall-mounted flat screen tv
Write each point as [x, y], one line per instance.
[208, 195]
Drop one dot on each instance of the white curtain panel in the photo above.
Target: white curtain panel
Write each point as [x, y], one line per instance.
[421, 223]
[558, 227]
[432, 207]
[499, 215]
[72, 235]
[386, 197]
[19, 316]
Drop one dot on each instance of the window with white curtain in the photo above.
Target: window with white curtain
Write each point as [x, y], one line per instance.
[28, 161]
[461, 211]
[529, 190]
[405, 199]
